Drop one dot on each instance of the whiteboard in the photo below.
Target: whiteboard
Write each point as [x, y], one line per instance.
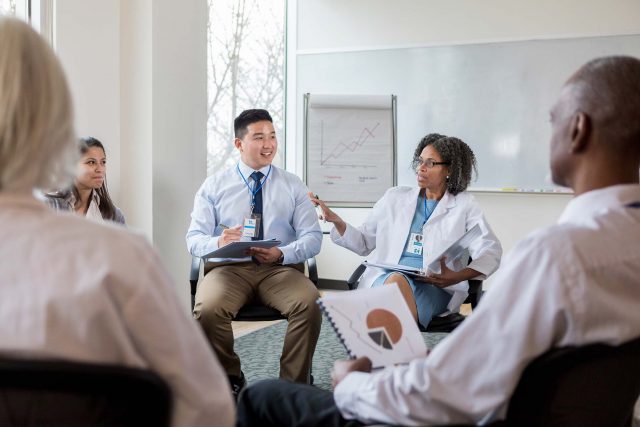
[349, 146]
[496, 97]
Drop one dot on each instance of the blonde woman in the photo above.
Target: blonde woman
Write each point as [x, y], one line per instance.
[74, 289]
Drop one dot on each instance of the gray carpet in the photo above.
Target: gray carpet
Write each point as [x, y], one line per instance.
[260, 351]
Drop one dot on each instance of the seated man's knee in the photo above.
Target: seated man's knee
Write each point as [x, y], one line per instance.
[211, 313]
[212, 309]
[258, 401]
[307, 302]
[259, 391]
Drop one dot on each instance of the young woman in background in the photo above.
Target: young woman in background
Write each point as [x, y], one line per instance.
[88, 195]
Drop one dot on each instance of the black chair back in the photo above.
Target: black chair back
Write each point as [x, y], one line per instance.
[594, 385]
[59, 393]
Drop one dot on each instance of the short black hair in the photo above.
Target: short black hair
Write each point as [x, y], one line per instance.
[246, 118]
[462, 161]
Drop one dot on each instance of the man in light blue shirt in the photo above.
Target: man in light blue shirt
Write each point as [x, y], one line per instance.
[256, 200]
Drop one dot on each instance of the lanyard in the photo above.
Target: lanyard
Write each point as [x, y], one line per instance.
[258, 187]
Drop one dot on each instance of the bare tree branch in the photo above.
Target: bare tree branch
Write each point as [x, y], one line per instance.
[246, 69]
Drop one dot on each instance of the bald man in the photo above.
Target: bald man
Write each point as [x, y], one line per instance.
[570, 284]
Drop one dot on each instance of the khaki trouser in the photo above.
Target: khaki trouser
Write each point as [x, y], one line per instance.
[226, 288]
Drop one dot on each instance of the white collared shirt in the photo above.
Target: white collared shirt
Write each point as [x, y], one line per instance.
[288, 214]
[573, 283]
[73, 289]
[93, 211]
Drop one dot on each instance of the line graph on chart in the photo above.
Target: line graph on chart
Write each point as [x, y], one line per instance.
[349, 153]
[343, 149]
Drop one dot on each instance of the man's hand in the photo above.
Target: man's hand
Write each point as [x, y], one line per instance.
[229, 235]
[266, 255]
[342, 368]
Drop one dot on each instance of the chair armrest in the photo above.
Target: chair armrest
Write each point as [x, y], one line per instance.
[352, 283]
[194, 273]
[312, 267]
[475, 292]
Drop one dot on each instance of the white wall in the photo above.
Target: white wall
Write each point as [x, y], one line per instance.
[338, 25]
[88, 43]
[137, 69]
[179, 126]
[136, 113]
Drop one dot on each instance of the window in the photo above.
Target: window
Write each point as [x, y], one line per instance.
[246, 53]
[38, 12]
[14, 8]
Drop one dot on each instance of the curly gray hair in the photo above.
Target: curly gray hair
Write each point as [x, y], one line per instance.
[463, 166]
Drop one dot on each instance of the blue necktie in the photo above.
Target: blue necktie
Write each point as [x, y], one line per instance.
[257, 208]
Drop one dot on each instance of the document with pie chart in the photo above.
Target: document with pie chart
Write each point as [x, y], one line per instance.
[375, 323]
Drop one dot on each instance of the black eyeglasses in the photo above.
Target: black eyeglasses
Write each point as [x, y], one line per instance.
[429, 163]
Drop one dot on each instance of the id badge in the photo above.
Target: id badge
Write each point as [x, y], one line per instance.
[251, 226]
[415, 244]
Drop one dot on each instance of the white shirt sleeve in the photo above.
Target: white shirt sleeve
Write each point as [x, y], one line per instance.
[469, 376]
[305, 224]
[200, 237]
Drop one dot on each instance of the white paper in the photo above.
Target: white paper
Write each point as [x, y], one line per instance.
[350, 145]
[412, 271]
[235, 250]
[375, 323]
[455, 250]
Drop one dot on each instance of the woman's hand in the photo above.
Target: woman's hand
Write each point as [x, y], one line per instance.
[448, 277]
[328, 215]
[232, 234]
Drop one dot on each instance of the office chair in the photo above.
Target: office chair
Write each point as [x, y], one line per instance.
[439, 323]
[595, 385]
[254, 310]
[62, 393]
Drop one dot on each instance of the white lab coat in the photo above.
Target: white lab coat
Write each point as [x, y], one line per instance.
[383, 235]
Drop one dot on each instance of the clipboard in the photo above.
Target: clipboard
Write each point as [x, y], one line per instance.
[376, 323]
[239, 249]
[456, 249]
[453, 252]
[411, 271]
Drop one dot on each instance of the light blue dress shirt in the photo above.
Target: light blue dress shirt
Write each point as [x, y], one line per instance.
[288, 214]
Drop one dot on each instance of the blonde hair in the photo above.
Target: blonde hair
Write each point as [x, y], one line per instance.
[37, 138]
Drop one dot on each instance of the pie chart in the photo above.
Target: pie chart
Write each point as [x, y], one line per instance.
[384, 328]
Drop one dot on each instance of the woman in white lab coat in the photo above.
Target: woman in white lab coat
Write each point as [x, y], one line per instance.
[411, 225]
